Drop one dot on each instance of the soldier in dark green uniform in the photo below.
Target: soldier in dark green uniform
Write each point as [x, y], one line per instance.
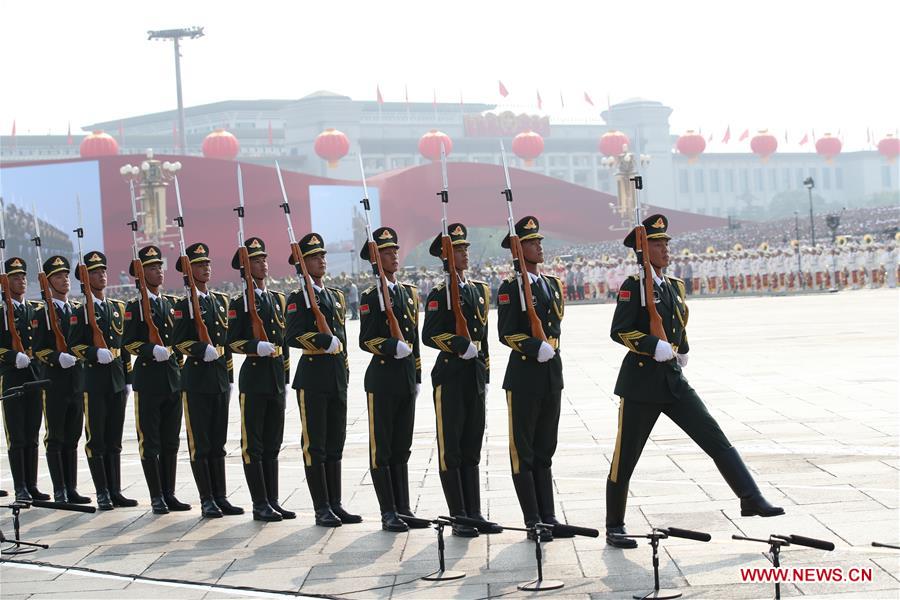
[206, 384]
[460, 379]
[264, 374]
[392, 382]
[63, 406]
[321, 384]
[156, 378]
[651, 382]
[22, 415]
[107, 377]
[534, 379]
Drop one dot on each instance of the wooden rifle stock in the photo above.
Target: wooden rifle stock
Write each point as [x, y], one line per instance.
[462, 326]
[537, 329]
[199, 324]
[300, 265]
[256, 324]
[11, 316]
[385, 291]
[152, 330]
[97, 338]
[643, 250]
[59, 340]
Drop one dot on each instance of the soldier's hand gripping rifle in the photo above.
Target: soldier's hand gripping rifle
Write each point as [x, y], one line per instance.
[9, 315]
[306, 282]
[451, 277]
[90, 315]
[59, 340]
[645, 269]
[256, 325]
[515, 247]
[384, 292]
[196, 313]
[140, 281]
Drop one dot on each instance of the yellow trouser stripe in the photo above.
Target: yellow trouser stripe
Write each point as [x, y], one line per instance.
[614, 467]
[5, 426]
[371, 398]
[87, 425]
[244, 454]
[187, 423]
[439, 413]
[137, 424]
[304, 433]
[513, 452]
[46, 423]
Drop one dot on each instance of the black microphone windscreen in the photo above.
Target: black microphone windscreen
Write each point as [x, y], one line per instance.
[64, 506]
[688, 534]
[414, 521]
[464, 521]
[564, 530]
[811, 542]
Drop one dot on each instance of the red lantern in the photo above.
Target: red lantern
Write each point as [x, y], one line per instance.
[528, 145]
[221, 144]
[97, 144]
[332, 145]
[612, 143]
[430, 144]
[764, 144]
[828, 147]
[889, 147]
[691, 145]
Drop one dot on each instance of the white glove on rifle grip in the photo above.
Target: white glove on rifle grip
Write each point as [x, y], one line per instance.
[104, 356]
[334, 346]
[210, 354]
[22, 360]
[160, 353]
[403, 350]
[265, 348]
[682, 360]
[470, 353]
[67, 361]
[663, 352]
[545, 352]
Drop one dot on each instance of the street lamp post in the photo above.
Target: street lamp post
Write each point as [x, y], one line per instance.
[810, 184]
[175, 35]
[626, 165]
[152, 177]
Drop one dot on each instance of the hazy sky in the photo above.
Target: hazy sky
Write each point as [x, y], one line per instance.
[778, 64]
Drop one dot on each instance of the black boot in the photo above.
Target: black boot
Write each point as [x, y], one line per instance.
[400, 483]
[253, 471]
[471, 485]
[98, 474]
[55, 467]
[543, 487]
[616, 498]
[333, 480]
[168, 470]
[70, 474]
[523, 482]
[453, 493]
[384, 491]
[742, 484]
[217, 476]
[17, 466]
[318, 491]
[114, 480]
[208, 508]
[270, 472]
[154, 485]
[31, 471]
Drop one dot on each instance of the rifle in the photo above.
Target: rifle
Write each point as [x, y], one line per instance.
[256, 324]
[641, 249]
[140, 282]
[451, 277]
[90, 316]
[194, 305]
[515, 246]
[9, 315]
[59, 339]
[384, 295]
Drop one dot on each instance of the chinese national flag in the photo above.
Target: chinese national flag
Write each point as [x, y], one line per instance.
[540, 104]
[744, 135]
[69, 134]
[378, 95]
[14, 134]
[805, 139]
[588, 99]
[503, 91]
[727, 136]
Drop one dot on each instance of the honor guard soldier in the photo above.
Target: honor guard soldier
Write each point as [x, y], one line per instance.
[651, 382]
[63, 406]
[392, 382]
[22, 415]
[321, 384]
[262, 381]
[205, 383]
[534, 379]
[460, 379]
[156, 379]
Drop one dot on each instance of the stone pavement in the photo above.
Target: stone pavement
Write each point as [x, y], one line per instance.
[805, 386]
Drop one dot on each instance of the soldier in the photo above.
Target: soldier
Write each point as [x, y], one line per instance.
[321, 384]
[63, 407]
[107, 377]
[265, 372]
[157, 381]
[533, 380]
[460, 378]
[206, 384]
[392, 382]
[651, 382]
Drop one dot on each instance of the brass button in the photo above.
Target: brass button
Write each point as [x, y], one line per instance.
[446, 360]
[475, 329]
[253, 362]
[309, 359]
[406, 329]
[406, 316]
[381, 361]
[640, 364]
[524, 357]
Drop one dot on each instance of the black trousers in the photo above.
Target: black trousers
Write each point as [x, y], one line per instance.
[533, 429]
[262, 426]
[157, 418]
[22, 419]
[323, 416]
[391, 421]
[63, 420]
[636, 421]
[459, 415]
[206, 421]
[104, 419]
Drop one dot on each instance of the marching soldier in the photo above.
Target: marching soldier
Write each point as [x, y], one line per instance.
[262, 380]
[22, 415]
[534, 378]
[156, 379]
[63, 406]
[460, 379]
[206, 384]
[651, 382]
[392, 382]
[321, 384]
[107, 375]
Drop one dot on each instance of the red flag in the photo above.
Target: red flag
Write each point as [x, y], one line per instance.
[710, 138]
[69, 134]
[406, 94]
[14, 133]
[588, 99]
[175, 135]
[562, 101]
[727, 136]
[805, 139]
[868, 136]
[785, 136]
[744, 135]
[540, 104]
[460, 98]
[378, 95]
[434, 98]
[270, 132]
[814, 135]
[503, 91]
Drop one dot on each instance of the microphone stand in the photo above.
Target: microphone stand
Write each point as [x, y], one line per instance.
[777, 541]
[17, 543]
[656, 534]
[442, 574]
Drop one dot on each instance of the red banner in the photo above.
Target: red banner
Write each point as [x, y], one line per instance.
[505, 124]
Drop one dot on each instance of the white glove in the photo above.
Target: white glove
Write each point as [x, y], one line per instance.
[104, 356]
[663, 352]
[230, 389]
[127, 389]
[265, 348]
[487, 388]
[210, 354]
[22, 360]
[682, 360]
[67, 361]
[403, 350]
[334, 346]
[545, 353]
[160, 353]
[470, 353]
[418, 387]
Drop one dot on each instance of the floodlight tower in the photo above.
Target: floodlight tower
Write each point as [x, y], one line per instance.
[175, 35]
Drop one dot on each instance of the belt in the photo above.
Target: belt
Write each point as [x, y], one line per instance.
[553, 342]
[115, 352]
[220, 350]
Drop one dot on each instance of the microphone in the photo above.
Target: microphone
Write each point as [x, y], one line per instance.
[564, 530]
[63, 506]
[687, 534]
[809, 542]
[415, 521]
[464, 521]
[40, 384]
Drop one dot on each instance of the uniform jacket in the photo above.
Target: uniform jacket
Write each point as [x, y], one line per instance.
[27, 318]
[196, 375]
[149, 376]
[63, 381]
[386, 374]
[260, 374]
[99, 378]
[317, 370]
